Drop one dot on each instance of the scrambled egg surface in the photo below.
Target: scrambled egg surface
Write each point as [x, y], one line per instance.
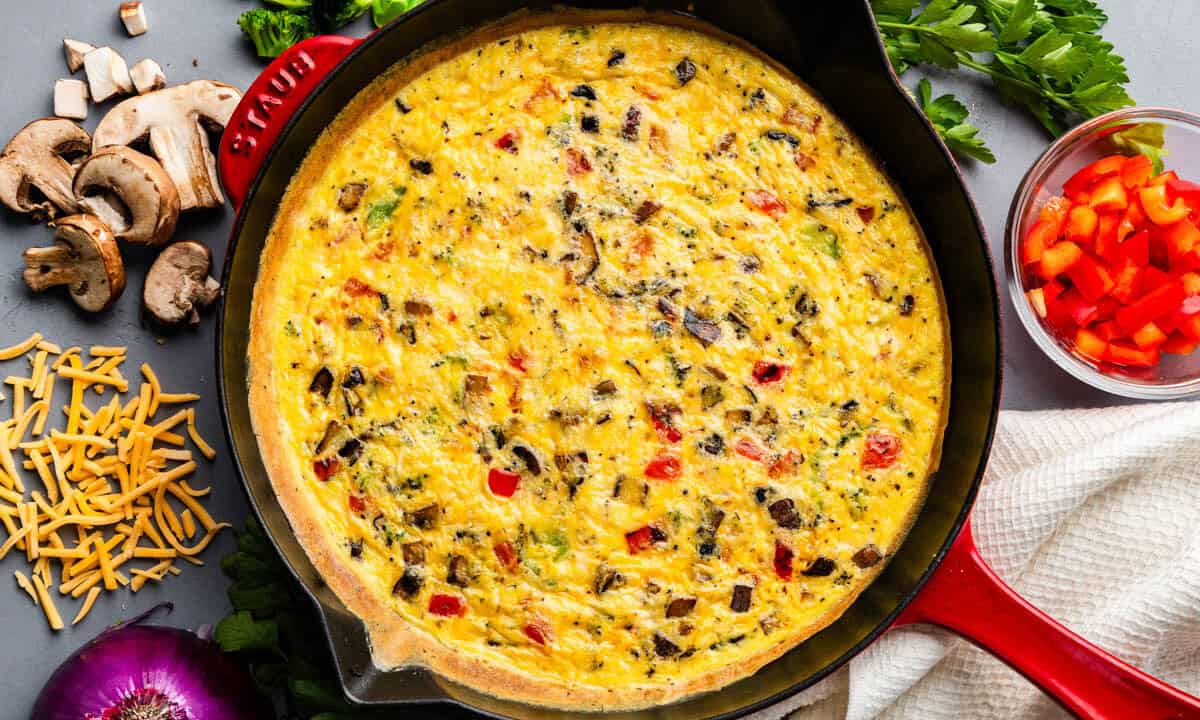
[609, 355]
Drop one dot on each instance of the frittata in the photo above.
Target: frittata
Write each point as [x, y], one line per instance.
[595, 362]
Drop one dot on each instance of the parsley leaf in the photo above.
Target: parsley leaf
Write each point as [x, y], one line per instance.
[949, 116]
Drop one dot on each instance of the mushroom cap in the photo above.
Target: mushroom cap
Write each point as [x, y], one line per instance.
[34, 159]
[84, 257]
[174, 120]
[131, 193]
[178, 284]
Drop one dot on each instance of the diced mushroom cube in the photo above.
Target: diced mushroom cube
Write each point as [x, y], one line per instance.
[107, 74]
[147, 76]
[133, 14]
[75, 51]
[71, 99]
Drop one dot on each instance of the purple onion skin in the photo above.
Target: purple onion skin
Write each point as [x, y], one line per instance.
[167, 673]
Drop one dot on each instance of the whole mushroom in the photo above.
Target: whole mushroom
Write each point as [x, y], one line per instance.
[178, 284]
[131, 193]
[36, 158]
[174, 121]
[84, 257]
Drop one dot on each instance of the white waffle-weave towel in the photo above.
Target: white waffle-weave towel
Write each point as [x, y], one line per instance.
[1094, 516]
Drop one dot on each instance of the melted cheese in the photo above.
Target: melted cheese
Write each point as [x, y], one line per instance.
[737, 224]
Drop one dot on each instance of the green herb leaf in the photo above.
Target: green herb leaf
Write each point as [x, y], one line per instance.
[381, 211]
[241, 632]
[1019, 23]
[1147, 139]
[949, 116]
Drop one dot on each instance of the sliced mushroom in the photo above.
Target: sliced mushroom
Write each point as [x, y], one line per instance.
[34, 159]
[75, 51]
[107, 74]
[174, 120]
[71, 99]
[178, 285]
[131, 193]
[84, 257]
[147, 76]
[583, 259]
[133, 14]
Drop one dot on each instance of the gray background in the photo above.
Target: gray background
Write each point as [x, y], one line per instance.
[199, 39]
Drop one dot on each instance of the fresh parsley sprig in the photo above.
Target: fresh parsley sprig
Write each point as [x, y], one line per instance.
[1043, 55]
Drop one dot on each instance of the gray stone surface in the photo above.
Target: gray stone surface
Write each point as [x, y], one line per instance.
[198, 39]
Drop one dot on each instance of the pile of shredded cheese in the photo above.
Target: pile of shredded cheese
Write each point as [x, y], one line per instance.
[113, 496]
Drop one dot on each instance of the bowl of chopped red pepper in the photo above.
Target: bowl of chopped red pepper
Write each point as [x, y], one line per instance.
[1103, 242]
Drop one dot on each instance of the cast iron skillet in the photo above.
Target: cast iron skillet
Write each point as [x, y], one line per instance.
[833, 46]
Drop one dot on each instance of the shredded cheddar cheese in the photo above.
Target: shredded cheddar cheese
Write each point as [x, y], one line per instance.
[111, 491]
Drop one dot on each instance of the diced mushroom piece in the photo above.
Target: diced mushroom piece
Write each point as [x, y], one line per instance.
[645, 211]
[867, 556]
[681, 607]
[425, 517]
[456, 572]
[133, 14]
[414, 553]
[147, 76]
[704, 330]
[606, 577]
[322, 382]
[174, 120]
[821, 567]
[132, 194]
[36, 158]
[350, 195]
[783, 512]
[529, 458]
[409, 583]
[178, 284]
[584, 259]
[604, 388]
[663, 647]
[740, 600]
[478, 385]
[84, 257]
[71, 99]
[107, 74]
[417, 308]
[75, 51]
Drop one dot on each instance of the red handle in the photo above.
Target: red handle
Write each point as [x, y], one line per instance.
[269, 103]
[966, 596]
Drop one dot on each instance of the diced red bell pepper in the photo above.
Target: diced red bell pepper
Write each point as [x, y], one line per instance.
[643, 538]
[1080, 310]
[1136, 171]
[1080, 227]
[1152, 279]
[1125, 283]
[1178, 344]
[766, 202]
[516, 360]
[1090, 345]
[1136, 248]
[1107, 330]
[1035, 243]
[537, 632]
[1089, 174]
[1181, 238]
[1055, 212]
[664, 467]
[1091, 278]
[749, 449]
[1106, 242]
[1120, 354]
[1053, 289]
[1159, 209]
[1163, 178]
[1150, 307]
[357, 504]
[447, 605]
[1189, 192]
[325, 467]
[506, 554]
[1058, 259]
[1191, 284]
[1189, 325]
[508, 141]
[1109, 195]
[1132, 220]
[769, 372]
[503, 483]
[783, 561]
[880, 450]
[1149, 336]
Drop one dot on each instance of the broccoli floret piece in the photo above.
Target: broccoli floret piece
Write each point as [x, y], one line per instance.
[291, 4]
[385, 11]
[273, 31]
[333, 14]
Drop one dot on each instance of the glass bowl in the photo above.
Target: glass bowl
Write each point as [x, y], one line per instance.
[1177, 376]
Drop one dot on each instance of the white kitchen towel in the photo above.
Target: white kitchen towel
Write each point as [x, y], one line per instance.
[1094, 516]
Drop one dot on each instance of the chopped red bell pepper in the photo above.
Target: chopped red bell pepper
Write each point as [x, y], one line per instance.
[1163, 178]
[1120, 354]
[660, 418]
[1080, 181]
[537, 632]
[766, 202]
[1188, 192]
[1158, 209]
[1081, 225]
[1181, 238]
[325, 467]
[1079, 309]
[1136, 248]
[1125, 282]
[1132, 219]
[506, 554]
[1150, 307]
[1106, 242]
[516, 360]
[769, 372]
[747, 448]
[643, 538]
[1090, 278]
[1179, 344]
[1107, 331]
[1090, 345]
[508, 142]
[664, 467]
[1136, 171]
[356, 504]
[783, 561]
[1109, 195]
[1035, 243]
[1152, 279]
[1055, 213]
[503, 483]
[1189, 325]
[1148, 336]
[447, 605]
[880, 450]
[1058, 259]
[1191, 285]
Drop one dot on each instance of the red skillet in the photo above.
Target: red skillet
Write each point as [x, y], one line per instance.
[957, 589]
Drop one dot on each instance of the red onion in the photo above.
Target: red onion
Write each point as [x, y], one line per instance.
[147, 672]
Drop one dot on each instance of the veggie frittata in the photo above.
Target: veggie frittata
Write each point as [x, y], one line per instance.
[595, 362]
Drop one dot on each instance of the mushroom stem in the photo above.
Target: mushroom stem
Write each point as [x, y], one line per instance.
[47, 267]
[84, 257]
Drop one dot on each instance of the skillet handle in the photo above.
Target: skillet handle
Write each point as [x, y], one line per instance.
[966, 596]
[268, 105]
